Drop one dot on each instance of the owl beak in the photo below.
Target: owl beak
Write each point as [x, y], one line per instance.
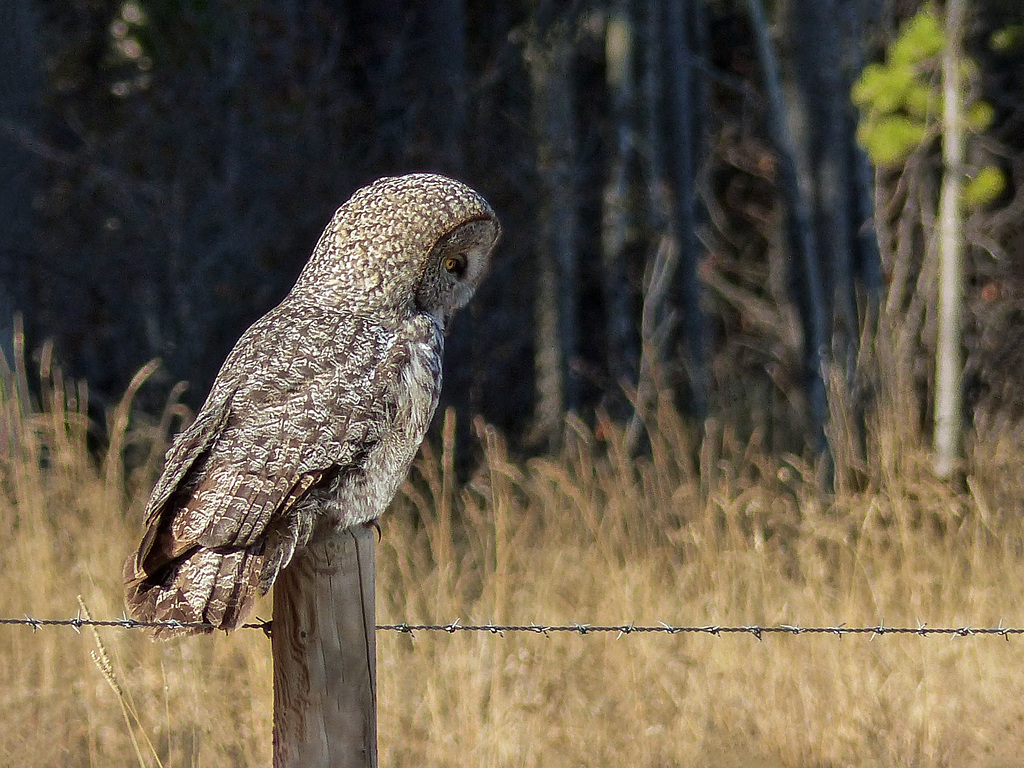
[443, 319]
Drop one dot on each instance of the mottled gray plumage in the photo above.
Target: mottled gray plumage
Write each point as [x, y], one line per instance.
[320, 407]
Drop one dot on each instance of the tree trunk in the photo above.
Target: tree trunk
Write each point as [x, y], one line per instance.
[656, 319]
[446, 81]
[818, 113]
[948, 352]
[867, 257]
[20, 95]
[549, 60]
[653, 84]
[809, 287]
[380, 39]
[617, 219]
[444, 112]
[694, 329]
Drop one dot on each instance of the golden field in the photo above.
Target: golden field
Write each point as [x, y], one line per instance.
[704, 528]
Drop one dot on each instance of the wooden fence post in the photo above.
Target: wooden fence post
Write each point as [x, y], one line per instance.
[324, 650]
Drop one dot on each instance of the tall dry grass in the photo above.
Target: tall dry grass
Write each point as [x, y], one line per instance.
[704, 529]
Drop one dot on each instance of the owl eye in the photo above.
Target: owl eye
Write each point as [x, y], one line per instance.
[456, 264]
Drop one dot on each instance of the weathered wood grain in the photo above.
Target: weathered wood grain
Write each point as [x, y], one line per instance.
[325, 683]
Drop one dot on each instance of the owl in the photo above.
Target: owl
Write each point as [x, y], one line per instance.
[318, 411]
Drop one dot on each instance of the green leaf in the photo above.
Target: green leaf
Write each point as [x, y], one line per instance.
[980, 116]
[987, 184]
[866, 87]
[1007, 39]
[891, 139]
[882, 88]
[921, 100]
[969, 69]
[921, 39]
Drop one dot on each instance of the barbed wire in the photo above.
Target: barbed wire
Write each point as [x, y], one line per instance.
[755, 630]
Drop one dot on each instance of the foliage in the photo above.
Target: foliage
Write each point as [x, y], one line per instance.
[984, 187]
[181, 158]
[898, 98]
[901, 103]
[1008, 38]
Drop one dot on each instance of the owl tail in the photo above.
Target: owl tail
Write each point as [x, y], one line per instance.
[210, 586]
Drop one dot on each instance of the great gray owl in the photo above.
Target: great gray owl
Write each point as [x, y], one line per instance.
[317, 412]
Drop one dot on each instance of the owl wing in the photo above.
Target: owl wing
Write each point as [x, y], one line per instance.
[302, 397]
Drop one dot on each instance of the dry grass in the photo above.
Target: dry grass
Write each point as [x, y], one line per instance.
[703, 531]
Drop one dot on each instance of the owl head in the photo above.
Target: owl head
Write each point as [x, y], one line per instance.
[456, 265]
[403, 244]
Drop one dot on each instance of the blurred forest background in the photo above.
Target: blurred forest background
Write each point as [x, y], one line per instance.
[692, 201]
[724, 224]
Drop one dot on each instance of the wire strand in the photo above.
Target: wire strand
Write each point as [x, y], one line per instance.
[717, 630]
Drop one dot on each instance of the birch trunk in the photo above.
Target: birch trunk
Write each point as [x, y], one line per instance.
[948, 353]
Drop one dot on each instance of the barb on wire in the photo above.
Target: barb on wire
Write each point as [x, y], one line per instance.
[715, 630]
[77, 622]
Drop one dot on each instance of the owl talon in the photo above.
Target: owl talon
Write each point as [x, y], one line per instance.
[375, 524]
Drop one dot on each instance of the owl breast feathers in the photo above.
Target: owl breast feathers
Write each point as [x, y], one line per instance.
[319, 409]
